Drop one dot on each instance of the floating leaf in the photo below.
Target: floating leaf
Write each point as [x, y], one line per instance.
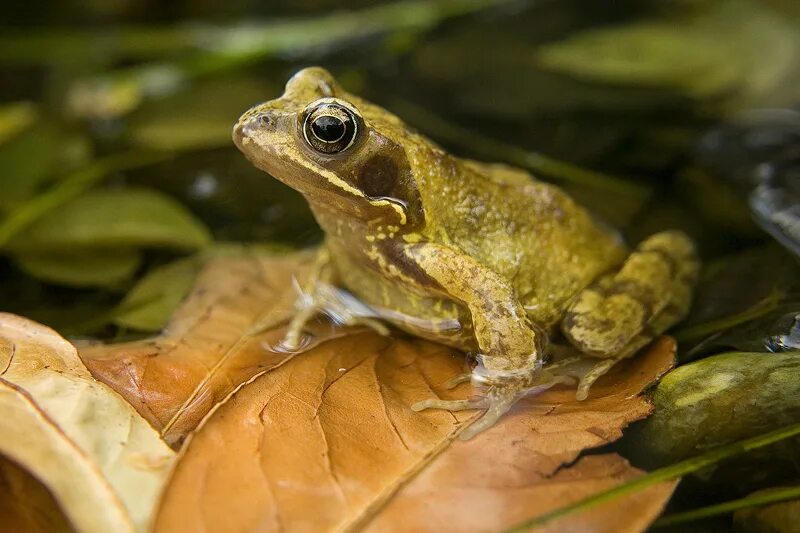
[90, 268]
[330, 427]
[102, 462]
[113, 218]
[149, 304]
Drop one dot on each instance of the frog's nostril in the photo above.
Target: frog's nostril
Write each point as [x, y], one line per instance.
[263, 120]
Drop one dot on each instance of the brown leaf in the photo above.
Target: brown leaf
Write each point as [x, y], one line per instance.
[327, 442]
[26, 506]
[211, 344]
[101, 461]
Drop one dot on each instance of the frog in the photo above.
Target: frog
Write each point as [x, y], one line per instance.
[482, 257]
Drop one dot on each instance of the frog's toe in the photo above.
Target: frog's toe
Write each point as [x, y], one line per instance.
[450, 405]
[458, 380]
[497, 408]
[588, 379]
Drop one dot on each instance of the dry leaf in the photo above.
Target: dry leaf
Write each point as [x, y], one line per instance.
[211, 344]
[26, 506]
[102, 462]
[327, 442]
[325, 439]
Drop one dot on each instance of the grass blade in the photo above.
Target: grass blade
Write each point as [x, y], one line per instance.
[663, 474]
[755, 500]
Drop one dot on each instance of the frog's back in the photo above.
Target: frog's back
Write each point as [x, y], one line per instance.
[530, 232]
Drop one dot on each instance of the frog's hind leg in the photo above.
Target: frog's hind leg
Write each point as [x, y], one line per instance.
[622, 312]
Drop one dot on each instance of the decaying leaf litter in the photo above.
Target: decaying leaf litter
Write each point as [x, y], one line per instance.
[571, 104]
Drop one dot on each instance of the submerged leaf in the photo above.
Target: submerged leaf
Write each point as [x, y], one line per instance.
[93, 268]
[102, 462]
[114, 218]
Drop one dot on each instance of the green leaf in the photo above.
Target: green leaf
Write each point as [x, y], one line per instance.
[150, 303]
[25, 162]
[70, 186]
[718, 49]
[14, 118]
[91, 268]
[114, 218]
[187, 122]
[694, 403]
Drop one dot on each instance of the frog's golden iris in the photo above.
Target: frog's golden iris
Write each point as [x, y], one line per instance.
[479, 256]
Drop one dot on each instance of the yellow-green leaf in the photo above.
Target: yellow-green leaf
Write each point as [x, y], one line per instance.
[128, 217]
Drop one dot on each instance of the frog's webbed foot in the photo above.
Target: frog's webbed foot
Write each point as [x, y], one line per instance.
[502, 393]
[587, 370]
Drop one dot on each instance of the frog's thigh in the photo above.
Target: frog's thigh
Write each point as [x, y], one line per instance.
[648, 294]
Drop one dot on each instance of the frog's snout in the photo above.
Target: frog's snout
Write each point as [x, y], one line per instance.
[249, 123]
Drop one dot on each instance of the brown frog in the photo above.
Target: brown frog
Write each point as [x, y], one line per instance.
[478, 256]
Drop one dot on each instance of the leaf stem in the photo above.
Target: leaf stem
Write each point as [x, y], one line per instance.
[667, 473]
[754, 500]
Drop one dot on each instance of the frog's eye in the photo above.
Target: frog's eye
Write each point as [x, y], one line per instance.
[330, 128]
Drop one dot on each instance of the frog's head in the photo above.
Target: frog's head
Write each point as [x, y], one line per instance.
[342, 153]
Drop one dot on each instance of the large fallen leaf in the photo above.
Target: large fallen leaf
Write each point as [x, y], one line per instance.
[213, 343]
[102, 462]
[26, 506]
[325, 440]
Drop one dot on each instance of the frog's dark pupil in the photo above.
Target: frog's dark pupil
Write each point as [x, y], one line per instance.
[328, 129]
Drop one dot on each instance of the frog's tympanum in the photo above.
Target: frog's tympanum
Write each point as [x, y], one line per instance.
[478, 256]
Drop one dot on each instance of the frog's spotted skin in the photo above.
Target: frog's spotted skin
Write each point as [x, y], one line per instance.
[478, 256]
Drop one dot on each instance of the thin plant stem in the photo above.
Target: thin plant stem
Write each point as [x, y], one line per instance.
[755, 500]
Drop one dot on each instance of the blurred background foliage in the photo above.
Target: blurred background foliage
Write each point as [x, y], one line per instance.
[118, 177]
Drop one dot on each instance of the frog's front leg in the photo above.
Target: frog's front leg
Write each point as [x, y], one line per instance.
[320, 295]
[622, 312]
[511, 348]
